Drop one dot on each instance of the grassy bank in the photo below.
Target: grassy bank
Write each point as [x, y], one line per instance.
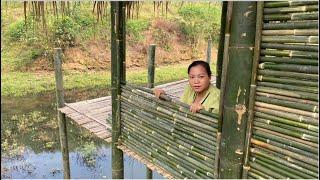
[25, 83]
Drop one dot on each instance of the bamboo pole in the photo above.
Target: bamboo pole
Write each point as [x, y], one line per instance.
[291, 25]
[291, 68]
[209, 50]
[305, 8]
[312, 90]
[151, 69]
[221, 43]
[235, 101]
[291, 39]
[274, 4]
[283, 151]
[291, 16]
[289, 53]
[151, 66]
[298, 100]
[298, 47]
[118, 77]
[288, 60]
[287, 81]
[305, 173]
[255, 63]
[296, 75]
[61, 116]
[284, 139]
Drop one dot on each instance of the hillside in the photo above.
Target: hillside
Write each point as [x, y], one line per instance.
[172, 33]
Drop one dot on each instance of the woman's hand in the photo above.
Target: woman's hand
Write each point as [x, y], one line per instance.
[195, 107]
[157, 92]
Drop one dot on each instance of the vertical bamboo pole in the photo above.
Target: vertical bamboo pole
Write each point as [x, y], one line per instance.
[117, 78]
[221, 43]
[61, 116]
[151, 67]
[255, 63]
[237, 87]
[209, 50]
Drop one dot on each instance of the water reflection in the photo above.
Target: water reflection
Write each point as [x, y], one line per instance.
[30, 141]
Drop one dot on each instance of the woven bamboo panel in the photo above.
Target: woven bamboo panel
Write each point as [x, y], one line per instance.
[284, 141]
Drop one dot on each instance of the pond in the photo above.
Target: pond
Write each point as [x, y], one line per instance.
[30, 143]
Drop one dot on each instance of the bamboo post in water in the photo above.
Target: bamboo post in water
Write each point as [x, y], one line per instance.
[209, 50]
[151, 67]
[118, 77]
[61, 116]
[236, 94]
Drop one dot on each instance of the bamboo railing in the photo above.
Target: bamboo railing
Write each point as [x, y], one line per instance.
[167, 134]
[283, 137]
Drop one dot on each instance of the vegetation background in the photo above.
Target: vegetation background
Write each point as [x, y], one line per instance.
[180, 31]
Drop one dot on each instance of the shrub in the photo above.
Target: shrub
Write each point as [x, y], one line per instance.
[64, 32]
[135, 27]
[199, 21]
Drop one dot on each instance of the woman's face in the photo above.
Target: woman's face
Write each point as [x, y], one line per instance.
[199, 79]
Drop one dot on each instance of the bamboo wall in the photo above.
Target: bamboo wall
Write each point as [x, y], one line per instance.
[167, 134]
[284, 141]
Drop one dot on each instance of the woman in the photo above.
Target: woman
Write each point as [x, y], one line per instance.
[199, 93]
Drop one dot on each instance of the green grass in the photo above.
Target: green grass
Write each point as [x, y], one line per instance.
[21, 84]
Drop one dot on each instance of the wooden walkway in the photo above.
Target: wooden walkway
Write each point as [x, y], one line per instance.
[95, 114]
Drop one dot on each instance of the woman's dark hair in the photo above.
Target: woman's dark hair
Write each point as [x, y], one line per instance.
[201, 63]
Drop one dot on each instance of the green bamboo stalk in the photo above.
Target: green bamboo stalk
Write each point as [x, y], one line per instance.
[298, 47]
[291, 39]
[184, 144]
[288, 60]
[286, 121]
[298, 100]
[221, 43]
[264, 169]
[288, 127]
[118, 76]
[287, 147]
[306, 8]
[295, 94]
[151, 67]
[286, 131]
[61, 116]
[272, 166]
[291, 25]
[291, 16]
[286, 109]
[275, 4]
[287, 81]
[289, 104]
[289, 53]
[289, 159]
[261, 175]
[169, 150]
[199, 127]
[313, 77]
[311, 90]
[285, 139]
[240, 55]
[291, 68]
[255, 63]
[169, 101]
[288, 153]
[295, 32]
[305, 173]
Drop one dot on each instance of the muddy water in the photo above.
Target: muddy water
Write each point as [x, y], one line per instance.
[30, 146]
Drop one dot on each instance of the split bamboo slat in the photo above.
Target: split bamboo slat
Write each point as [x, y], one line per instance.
[285, 127]
[166, 134]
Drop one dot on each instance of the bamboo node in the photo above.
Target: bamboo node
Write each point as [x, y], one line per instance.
[246, 167]
[238, 151]
[261, 66]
